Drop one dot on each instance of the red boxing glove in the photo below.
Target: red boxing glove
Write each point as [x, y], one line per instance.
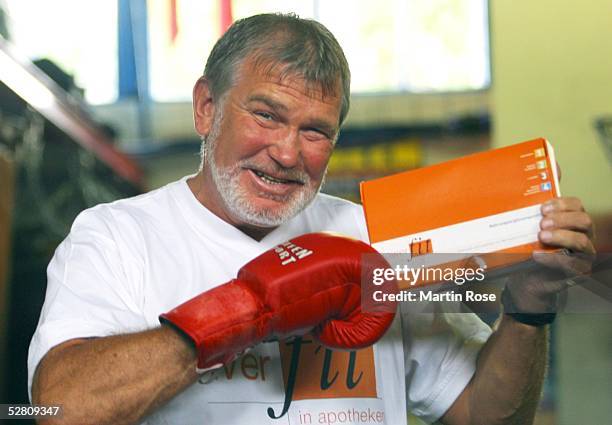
[310, 283]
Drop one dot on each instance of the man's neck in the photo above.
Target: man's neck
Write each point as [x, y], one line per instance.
[197, 187]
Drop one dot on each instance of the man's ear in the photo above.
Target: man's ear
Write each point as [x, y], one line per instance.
[203, 107]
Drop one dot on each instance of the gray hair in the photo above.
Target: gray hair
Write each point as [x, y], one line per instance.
[300, 46]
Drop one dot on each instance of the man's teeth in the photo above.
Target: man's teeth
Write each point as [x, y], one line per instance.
[269, 179]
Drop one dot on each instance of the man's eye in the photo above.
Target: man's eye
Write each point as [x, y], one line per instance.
[266, 116]
[318, 133]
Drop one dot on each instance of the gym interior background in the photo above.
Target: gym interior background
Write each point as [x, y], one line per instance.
[94, 106]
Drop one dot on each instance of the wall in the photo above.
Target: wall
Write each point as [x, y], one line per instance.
[552, 76]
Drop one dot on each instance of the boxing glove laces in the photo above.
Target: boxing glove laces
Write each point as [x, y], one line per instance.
[311, 283]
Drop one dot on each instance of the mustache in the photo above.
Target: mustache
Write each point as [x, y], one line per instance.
[278, 171]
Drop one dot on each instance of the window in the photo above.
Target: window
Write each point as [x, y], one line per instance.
[391, 45]
[79, 36]
[177, 61]
[412, 45]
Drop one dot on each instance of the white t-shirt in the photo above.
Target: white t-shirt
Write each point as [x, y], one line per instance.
[125, 263]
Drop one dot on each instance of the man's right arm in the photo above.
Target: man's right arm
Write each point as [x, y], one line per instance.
[121, 379]
[117, 379]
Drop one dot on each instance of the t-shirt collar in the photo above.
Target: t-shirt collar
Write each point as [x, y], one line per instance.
[211, 226]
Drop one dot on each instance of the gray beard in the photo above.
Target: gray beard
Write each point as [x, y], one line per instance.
[236, 198]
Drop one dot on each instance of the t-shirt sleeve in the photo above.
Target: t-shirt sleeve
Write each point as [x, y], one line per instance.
[88, 292]
[440, 358]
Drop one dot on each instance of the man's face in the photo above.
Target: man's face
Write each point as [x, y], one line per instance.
[269, 142]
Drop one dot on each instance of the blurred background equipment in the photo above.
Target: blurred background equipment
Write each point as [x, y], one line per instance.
[55, 161]
[6, 212]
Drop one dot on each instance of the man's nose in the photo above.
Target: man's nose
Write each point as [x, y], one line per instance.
[286, 150]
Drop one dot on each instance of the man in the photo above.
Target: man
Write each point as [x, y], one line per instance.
[269, 107]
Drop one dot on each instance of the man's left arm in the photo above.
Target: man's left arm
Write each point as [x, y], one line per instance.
[510, 370]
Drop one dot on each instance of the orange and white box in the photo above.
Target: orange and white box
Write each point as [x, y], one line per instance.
[487, 202]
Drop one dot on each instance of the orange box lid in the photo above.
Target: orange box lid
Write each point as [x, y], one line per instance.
[460, 190]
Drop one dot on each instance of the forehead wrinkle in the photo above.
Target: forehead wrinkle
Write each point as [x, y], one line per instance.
[283, 74]
[268, 101]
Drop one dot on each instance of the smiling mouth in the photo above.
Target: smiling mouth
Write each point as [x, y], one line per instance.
[273, 180]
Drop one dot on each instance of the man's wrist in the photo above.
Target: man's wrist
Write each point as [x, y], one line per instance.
[181, 340]
[531, 319]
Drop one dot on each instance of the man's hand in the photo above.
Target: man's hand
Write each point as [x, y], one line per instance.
[309, 283]
[564, 225]
[506, 387]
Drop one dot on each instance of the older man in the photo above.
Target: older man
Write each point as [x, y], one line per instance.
[269, 108]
